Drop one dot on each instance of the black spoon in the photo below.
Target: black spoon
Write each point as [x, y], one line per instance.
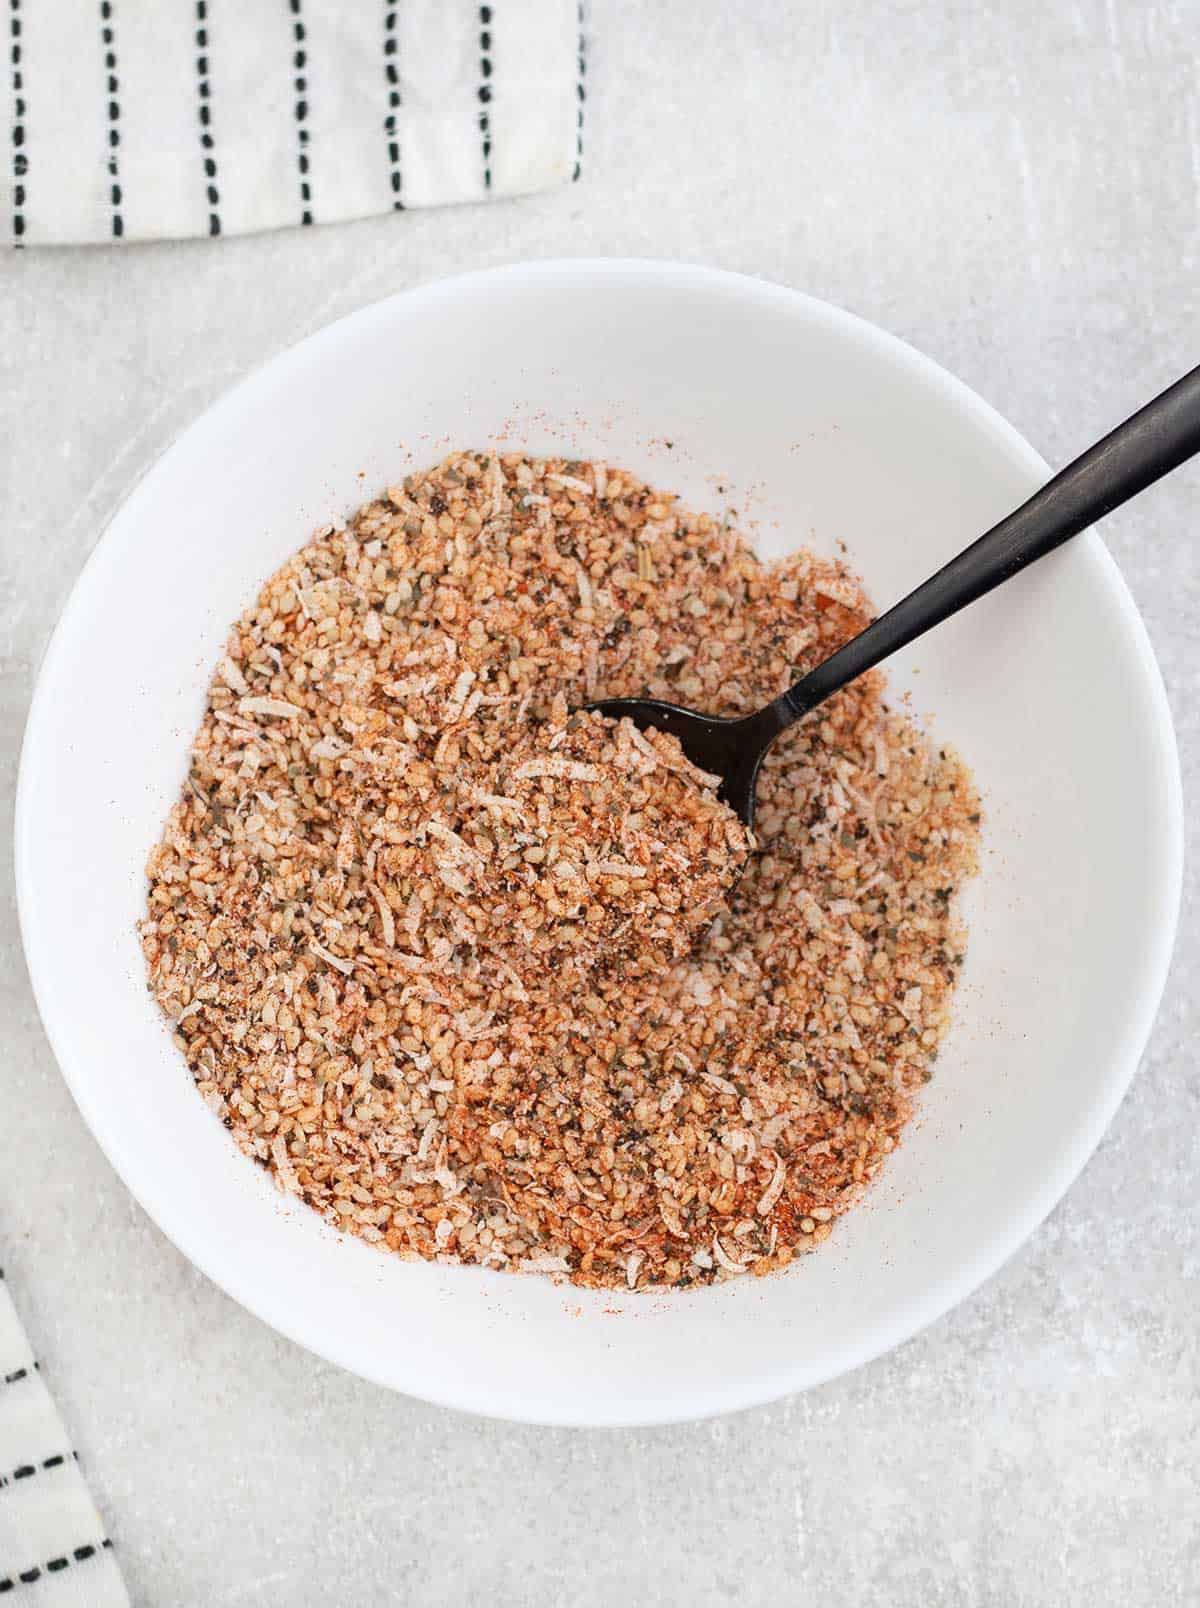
[1164, 434]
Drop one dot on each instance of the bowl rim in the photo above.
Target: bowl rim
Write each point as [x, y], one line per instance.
[927, 1305]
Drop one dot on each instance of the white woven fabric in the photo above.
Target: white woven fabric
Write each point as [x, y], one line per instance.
[54, 1552]
[136, 120]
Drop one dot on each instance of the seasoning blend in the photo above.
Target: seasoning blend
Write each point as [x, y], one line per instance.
[475, 976]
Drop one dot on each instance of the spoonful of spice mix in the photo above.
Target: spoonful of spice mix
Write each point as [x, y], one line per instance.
[483, 980]
[1155, 440]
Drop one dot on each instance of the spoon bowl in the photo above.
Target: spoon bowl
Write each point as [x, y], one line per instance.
[730, 747]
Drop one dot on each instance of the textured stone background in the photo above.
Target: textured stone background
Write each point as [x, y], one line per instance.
[1014, 188]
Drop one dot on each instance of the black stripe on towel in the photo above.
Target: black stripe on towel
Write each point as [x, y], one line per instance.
[300, 85]
[108, 37]
[485, 91]
[29, 1577]
[391, 123]
[581, 96]
[28, 1470]
[20, 161]
[212, 193]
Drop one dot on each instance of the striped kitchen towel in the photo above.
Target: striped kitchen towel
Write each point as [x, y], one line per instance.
[53, 1549]
[141, 120]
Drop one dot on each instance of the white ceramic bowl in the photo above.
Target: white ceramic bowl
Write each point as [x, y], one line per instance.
[825, 429]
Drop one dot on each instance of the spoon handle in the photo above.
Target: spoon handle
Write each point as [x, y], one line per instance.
[1158, 438]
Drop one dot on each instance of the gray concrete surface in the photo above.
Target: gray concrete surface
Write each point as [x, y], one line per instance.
[1013, 187]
